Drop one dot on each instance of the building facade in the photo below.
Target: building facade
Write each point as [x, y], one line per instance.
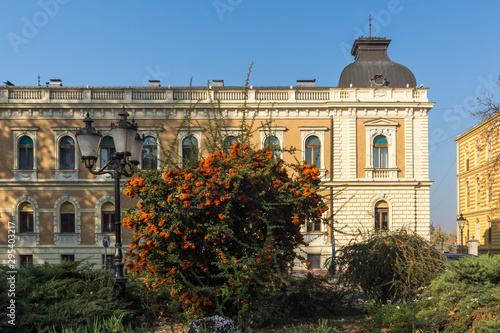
[368, 135]
[478, 187]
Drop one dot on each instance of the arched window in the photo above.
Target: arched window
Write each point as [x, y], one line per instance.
[273, 143]
[478, 191]
[380, 152]
[467, 198]
[313, 149]
[107, 149]
[108, 217]
[478, 230]
[489, 149]
[25, 153]
[381, 215]
[489, 229]
[490, 189]
[228, 143]
[467, 159]
[189, 149]
[26, 217]
[67, 153]
[67, 213]
[149, 154]
[478, 155]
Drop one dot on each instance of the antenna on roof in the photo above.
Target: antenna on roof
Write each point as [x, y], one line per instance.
[370, 25]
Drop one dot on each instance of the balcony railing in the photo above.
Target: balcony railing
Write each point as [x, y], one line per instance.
[171, 95]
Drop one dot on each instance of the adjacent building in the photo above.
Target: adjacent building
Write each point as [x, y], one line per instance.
[478, 186]
[367, 135]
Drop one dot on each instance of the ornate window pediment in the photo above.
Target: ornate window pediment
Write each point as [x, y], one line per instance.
[381, 122]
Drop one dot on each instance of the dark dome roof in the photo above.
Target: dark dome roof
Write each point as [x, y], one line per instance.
[373, 68]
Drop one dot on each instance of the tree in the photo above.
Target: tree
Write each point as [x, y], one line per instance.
[221, 232]
[440, 239]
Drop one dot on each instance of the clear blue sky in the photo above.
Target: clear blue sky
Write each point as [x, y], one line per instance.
[452, 47]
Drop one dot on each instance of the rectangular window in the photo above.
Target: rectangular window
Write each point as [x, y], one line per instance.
[380, 157]
[108, 222]
[313, 226]
[26, 222]
[478, 231]
[26, 158]
[67, 257]
[381, 218]
[383, 157]
[68, 223]
[315, 260]
[26, 260]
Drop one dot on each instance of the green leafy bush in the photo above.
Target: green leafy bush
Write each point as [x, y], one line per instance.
[398, 318]
[389, 266]
[50, 296]
[465, 297]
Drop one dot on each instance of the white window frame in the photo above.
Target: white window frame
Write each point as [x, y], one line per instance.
[478, 155]
[64, 238]
[156, 136]
[227, 132]
[18, 133]
[278, 132]
[478, 230]
[387, 128]
[183, 134]
[319, 132]
[28, 238]
[489, 149]
[60, 174]
[97, 217]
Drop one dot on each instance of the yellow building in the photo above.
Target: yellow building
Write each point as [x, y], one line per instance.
[369, 133]
[478, 186]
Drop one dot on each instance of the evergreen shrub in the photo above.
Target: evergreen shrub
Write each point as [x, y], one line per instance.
[69, 294]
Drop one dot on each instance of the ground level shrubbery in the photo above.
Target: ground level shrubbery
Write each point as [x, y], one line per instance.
[464, 297]
[72, 297]
[68, 294]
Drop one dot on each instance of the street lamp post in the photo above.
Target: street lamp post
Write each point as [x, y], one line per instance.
[461, 223]
[128, 148]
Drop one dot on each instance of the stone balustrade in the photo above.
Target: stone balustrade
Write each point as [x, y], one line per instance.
[296, 95]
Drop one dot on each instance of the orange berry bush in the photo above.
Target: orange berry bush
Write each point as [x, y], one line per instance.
[220, 233]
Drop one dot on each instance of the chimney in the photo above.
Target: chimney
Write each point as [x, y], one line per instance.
[306, 83]
[154, 83]
[218, 83]
[55, 83]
